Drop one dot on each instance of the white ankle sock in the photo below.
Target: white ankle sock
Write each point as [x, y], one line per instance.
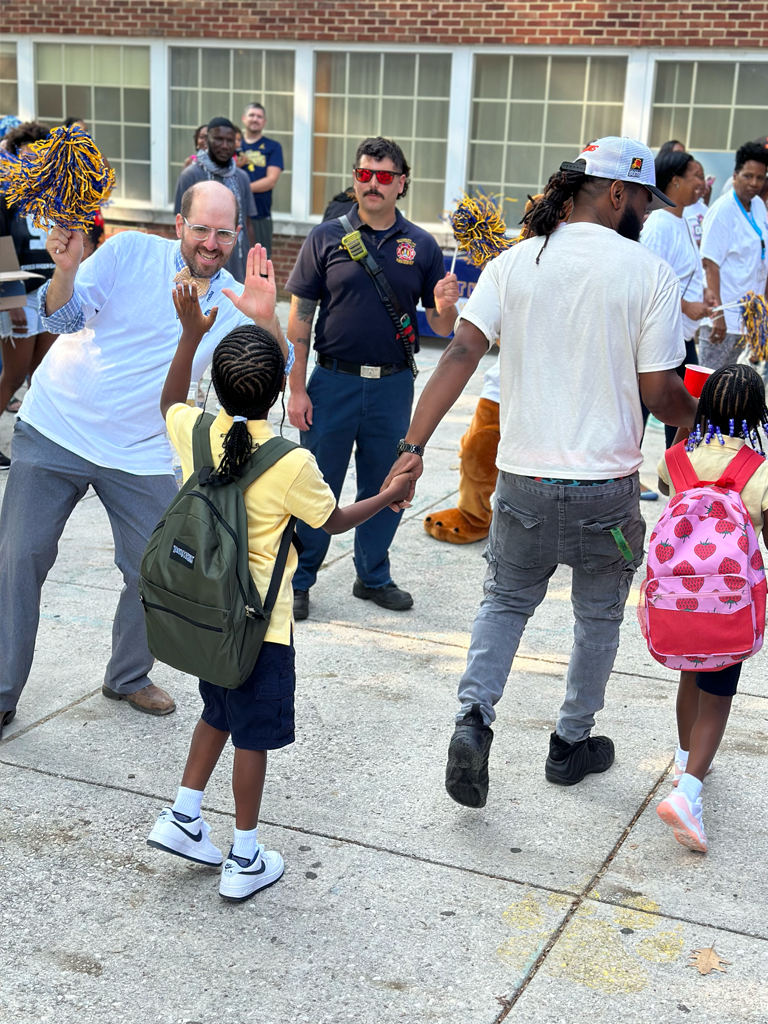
[681, 756]
[691, 786]
[245, 842]
[188, 802]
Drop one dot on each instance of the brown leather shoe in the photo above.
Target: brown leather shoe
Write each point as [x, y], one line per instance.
[151, 699]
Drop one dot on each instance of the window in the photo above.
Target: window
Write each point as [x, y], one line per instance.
[9, 96]
[108, 87]
[207, 83]
[402, 96]
[529, 113]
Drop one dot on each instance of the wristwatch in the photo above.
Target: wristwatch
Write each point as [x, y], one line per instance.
[416, 449]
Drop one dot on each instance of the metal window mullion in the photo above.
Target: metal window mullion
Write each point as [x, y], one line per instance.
[544, 121]
[582, 126]
[507, 114]
[734, 92]
[303, 138]
[25, 79]
[694, 80]
[159, 123]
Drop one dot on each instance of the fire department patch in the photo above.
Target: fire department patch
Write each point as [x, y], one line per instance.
[406, 251]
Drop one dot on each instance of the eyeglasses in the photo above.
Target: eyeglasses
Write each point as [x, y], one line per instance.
[201, 233]
[364, 174]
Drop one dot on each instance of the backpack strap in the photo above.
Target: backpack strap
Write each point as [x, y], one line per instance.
[740, 469]
[681, 472]
[280, 562]
[201, 441]
[265, 456]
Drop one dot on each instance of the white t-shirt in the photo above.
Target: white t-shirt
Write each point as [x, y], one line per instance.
[491, 383]
[695, 214]
[730, 241]
[671, 238]
[97, 391]
[574, 332]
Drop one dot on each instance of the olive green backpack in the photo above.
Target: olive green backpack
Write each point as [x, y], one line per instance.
[203, 612]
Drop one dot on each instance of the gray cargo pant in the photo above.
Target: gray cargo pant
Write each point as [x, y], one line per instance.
[45, 482]
[536, 527]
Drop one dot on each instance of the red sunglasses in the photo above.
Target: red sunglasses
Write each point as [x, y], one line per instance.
[364, 174]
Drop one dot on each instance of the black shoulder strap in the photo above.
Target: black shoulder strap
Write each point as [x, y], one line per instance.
[265, 456]
[280, 562]
[201, 441]
[397, 314]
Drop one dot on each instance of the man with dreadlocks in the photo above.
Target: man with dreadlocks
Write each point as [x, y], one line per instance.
[92, 418]
[578, 315]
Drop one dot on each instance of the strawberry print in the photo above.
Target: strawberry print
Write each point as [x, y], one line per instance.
[720, 490]
[729, 566]
[664, 551]
[756, 561]
[653, 537]
[677, 499]
[734, 582]
[680, 510]
[705, 549]
[683, 569]
[684, 528]
[743, 543]
[730, 600]
[717, 511]
[693, 583]
[650, 574]
[687, 604]
[695, 661]
[652, 587]
[725, 526]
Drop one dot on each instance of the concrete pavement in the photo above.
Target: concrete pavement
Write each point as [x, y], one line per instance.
[548, 905]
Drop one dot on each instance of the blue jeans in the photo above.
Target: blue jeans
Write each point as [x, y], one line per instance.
[535, 528]
[372, 416]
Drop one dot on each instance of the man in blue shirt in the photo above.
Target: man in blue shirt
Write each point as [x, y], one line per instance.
[361, 390]
[262, 160]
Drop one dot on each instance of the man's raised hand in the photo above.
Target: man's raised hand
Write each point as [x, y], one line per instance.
[65, 249]
[259, 293]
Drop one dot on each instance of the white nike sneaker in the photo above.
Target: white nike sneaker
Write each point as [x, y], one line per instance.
[684, 817]
[184, 836]
[240, 878]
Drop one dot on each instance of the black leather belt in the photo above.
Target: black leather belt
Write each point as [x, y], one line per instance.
[358, 370]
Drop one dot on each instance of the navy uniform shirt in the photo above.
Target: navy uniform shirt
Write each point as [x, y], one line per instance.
[353, 323]
[261, 155]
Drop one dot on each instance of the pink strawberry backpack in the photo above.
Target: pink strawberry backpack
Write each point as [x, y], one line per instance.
[702, 605]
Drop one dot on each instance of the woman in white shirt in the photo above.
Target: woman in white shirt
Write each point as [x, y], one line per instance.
[668, 233]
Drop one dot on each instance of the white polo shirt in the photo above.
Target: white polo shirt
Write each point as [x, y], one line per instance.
[730, 241]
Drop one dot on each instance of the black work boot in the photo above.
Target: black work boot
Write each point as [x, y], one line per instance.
[568, 763]
[466, 774]
[300, 604]
[389, 596]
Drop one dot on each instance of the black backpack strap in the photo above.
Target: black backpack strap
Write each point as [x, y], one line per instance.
[265, 456]
[280, 562]
[201, 441]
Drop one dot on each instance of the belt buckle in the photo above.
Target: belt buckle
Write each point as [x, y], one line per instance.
[371, 372]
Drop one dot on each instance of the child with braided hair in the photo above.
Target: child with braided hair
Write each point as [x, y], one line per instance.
[730, 415]
[248, 375]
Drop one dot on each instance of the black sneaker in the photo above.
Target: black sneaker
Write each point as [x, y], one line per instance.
[300, 604]
[568, 763]
[389, 596]
[466, 774]
[6, 717]
[5, 462]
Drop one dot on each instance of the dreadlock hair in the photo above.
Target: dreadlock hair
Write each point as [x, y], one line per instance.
[247, 373]
[733, 401]
[556, 201]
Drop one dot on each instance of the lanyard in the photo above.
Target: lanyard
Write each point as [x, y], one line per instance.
[751, 218]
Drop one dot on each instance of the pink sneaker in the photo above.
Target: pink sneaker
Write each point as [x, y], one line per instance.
[680, 772]
[684, 818]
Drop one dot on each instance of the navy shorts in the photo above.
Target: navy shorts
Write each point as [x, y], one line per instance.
[259, 713]
[721, 683]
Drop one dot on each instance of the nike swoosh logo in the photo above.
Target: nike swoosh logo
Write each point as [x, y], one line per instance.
[195, 839]
[260, 871]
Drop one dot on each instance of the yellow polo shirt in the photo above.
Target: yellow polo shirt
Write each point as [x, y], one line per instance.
[294, 486]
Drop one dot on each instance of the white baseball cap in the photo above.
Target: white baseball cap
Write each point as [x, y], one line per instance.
[621, 159]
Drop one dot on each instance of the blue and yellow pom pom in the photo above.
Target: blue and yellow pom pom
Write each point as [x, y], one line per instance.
[479, 229]
[64, 183]
[754, 324]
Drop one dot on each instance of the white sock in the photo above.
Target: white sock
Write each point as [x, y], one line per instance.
[681, 756]
[244, 844]
[188, 802]
[691, 786]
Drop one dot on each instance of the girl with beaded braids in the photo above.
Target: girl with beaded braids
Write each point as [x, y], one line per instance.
[248, 374]
[731, 413]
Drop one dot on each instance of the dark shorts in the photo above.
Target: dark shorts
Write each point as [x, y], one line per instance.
[721, 683]
[258, 714]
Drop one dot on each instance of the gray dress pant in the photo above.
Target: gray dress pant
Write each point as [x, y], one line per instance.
[45, 482]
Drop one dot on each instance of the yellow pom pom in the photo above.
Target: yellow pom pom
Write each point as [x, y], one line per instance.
[479, 228]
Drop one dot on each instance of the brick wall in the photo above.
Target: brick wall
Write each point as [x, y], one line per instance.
[621, 22]
[285, 248]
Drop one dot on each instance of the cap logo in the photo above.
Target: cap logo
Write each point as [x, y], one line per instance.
[636, 167]
[590, 149]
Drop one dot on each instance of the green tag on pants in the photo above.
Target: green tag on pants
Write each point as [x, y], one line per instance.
[621, 542]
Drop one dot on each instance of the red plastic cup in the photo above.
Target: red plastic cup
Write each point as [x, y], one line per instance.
[695, 377]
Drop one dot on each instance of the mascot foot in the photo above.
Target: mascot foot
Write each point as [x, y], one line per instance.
[452, 526]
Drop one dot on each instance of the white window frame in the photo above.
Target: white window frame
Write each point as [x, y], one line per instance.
[636, 119]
